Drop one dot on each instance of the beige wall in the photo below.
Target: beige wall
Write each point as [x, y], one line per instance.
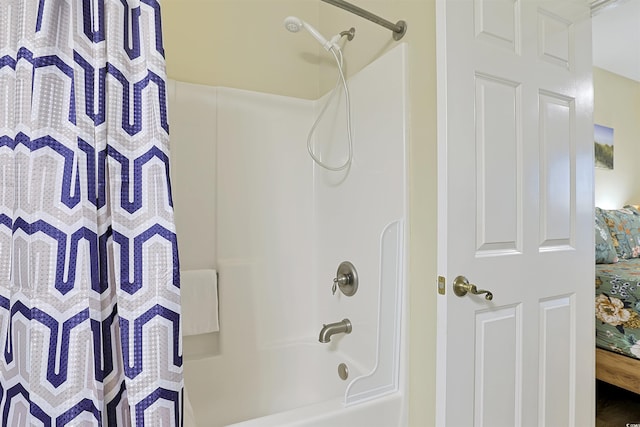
[617, 105]
[243, 44]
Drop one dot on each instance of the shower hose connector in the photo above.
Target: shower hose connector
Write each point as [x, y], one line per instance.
[342, 327]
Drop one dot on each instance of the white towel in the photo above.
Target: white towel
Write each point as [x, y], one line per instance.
[199, 290]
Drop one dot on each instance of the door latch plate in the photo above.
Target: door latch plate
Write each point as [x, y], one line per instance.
[442, 285]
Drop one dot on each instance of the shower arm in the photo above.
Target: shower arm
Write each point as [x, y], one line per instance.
[399, 29]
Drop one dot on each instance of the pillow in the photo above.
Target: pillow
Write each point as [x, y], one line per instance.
[605, 249]
[632, 209]
[624, 227]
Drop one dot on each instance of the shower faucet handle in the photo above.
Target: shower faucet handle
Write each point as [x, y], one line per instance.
[341, 281]
[346, 279]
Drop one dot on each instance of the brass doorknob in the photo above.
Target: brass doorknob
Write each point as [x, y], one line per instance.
[461, 286]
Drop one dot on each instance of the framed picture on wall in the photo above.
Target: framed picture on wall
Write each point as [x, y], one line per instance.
[603, 138]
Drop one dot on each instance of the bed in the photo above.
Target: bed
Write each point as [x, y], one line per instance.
[618, 324]
[617, 297]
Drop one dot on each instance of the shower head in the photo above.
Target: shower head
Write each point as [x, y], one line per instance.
[295, 24]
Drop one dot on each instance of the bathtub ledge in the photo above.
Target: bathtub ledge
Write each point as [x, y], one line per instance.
[381, 412]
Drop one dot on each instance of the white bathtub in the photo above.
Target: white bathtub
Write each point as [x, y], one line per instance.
[285, 381]
[278, 386]
[253, 382]
[282, 227]
[382, 412]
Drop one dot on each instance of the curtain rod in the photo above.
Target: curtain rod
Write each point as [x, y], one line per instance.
[399, 28]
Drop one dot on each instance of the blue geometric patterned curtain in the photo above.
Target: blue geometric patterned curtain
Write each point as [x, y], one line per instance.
[89, 275]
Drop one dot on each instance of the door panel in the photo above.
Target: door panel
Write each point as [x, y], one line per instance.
[557, 189]
[497, 165]
[497, 22]
[498, 366]
[515, 213]
[555, 41]
[557, 342]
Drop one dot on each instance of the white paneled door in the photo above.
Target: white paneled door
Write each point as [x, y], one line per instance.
[515, 213]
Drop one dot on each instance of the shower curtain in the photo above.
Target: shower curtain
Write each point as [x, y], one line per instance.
[89, 275]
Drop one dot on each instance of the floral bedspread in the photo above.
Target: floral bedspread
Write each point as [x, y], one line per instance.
[618, 307]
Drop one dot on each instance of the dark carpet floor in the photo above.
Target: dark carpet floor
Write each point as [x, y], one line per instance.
[616, 407]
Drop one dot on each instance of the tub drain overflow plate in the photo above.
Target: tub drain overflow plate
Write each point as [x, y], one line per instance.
[343, 371]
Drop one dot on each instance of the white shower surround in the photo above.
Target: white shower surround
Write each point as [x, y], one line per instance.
[282, 226]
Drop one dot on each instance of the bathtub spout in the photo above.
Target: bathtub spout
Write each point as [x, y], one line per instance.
[343, 327]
